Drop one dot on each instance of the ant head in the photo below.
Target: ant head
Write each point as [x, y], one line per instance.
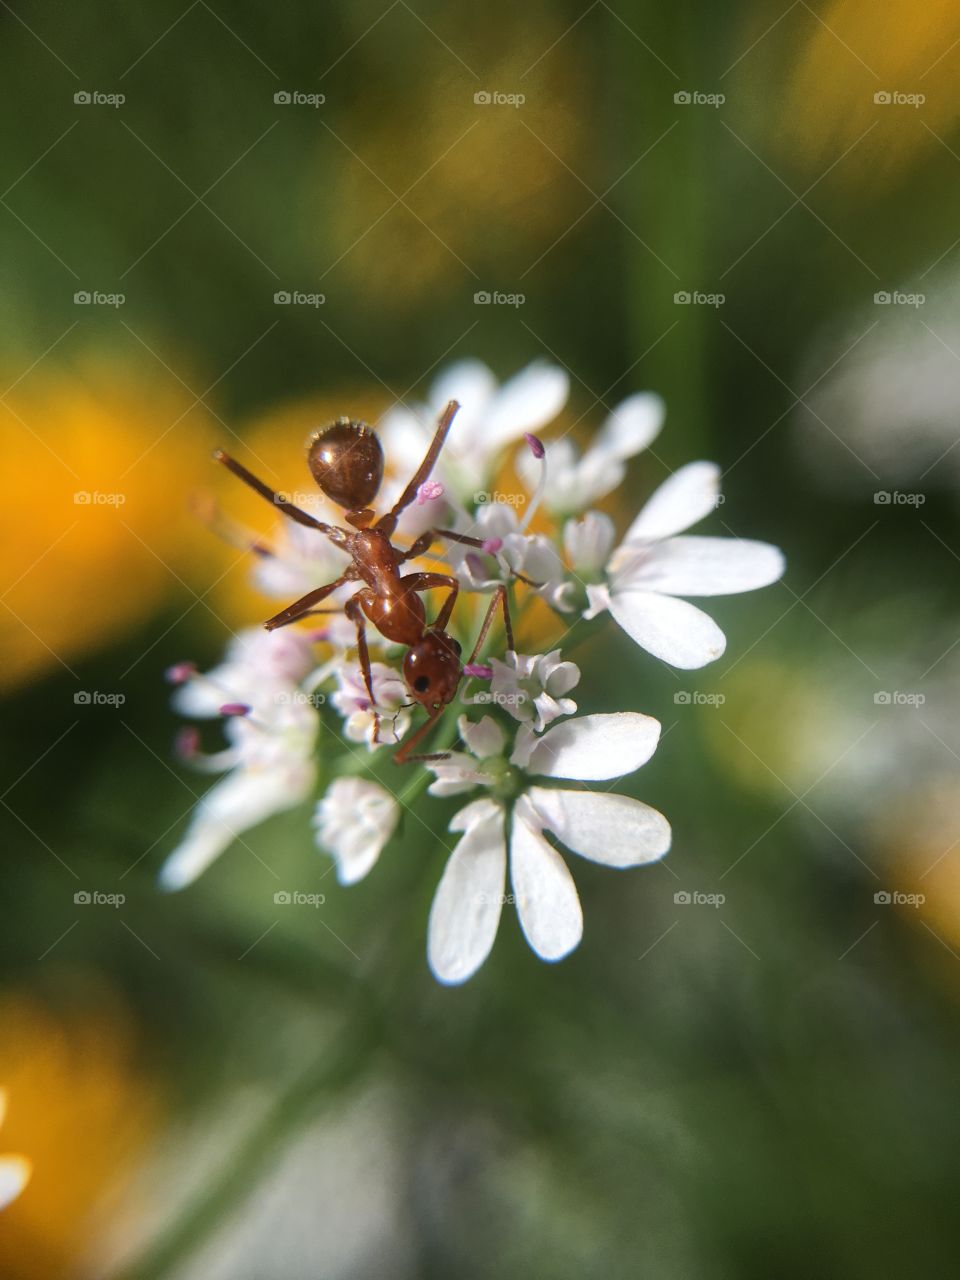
[432, 670]
[346, 461]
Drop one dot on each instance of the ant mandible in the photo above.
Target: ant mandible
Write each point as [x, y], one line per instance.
[346, 460]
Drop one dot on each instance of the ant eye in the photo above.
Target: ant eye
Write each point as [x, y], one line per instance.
[421, 684]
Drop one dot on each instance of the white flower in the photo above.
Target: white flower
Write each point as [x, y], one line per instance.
[271, 746]
[15, 1171]
[255, 661]
[353, 703]
[491, 417]
[612, 829]
[531, 687]
[354, 820]
[574, 482]
[652, 567]
[300, 559]
[533, 555]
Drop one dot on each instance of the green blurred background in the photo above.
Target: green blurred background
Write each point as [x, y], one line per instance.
[211, 1087]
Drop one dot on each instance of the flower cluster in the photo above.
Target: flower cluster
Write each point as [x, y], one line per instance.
[523, 758]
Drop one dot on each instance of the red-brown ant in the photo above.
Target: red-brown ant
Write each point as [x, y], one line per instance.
[346, 460]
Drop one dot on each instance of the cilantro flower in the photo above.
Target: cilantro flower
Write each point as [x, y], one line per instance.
[507, 825]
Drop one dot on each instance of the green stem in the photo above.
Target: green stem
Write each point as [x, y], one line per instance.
[318, 1087]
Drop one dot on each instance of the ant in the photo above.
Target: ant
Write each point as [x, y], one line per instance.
[346, 460]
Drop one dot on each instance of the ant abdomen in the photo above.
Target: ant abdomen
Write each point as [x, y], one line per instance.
[346, 461]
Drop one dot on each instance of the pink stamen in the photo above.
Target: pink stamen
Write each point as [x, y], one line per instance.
[180, 673]
[478, 669]
[187, 743]
[492, 545]
[535, 443]
[428, 491]
[235, 709]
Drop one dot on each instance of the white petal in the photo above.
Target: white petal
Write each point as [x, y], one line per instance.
[588, 542]
[466, 907]
[632, 425]
[615, 830]
[670, 629]
[689, 566]
[683, 499]
[530, 400]
[354, 821]
[14, 1176]
[484, 737]
[590, 748]
[547, 901]
[239, 801]
[470, 383]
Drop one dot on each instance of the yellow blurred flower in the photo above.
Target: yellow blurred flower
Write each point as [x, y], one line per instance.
[858, 56]
[94, 525]
[83, 1112]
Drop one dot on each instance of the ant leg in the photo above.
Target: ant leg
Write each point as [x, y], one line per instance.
[386, 524]
[354, 611]
[427, 581]
[418, 548]
[302, 606]
[457, 537]
[338, 536]
[403, 756]
[499, 598]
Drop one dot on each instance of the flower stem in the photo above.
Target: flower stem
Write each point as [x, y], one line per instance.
[316, 1088]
